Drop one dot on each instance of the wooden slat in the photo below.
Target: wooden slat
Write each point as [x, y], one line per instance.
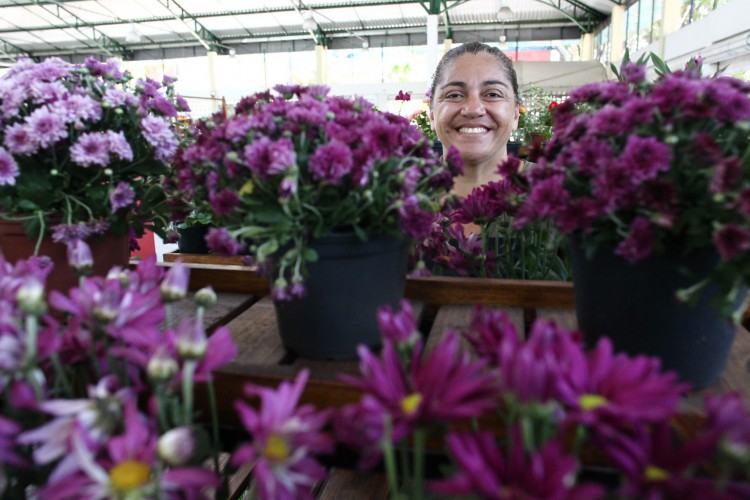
[194, 258]
[257, 335]
[227, 306]
[350, 484]
[452, 290]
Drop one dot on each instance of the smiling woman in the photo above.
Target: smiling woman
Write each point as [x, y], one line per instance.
[475, 107]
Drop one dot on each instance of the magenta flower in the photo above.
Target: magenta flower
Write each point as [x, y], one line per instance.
[174, 286]
[79, 257]
[444, 386]
[398, 327]
[639, 242]
[601, 386]
[484, 470]
[285, 438]
[331, 162]
[221, 242]
[732, 241]
[403, 96]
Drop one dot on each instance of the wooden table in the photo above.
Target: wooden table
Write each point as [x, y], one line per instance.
[440, 303]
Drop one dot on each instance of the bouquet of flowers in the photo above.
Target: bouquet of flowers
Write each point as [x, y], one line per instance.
[100, 404]
[82, 147]
[555, 407]
[476, 237]
[298, 164]
[653, 168]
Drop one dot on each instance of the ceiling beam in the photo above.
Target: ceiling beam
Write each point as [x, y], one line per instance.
[210, 41]
[13, 52]
[109, 45]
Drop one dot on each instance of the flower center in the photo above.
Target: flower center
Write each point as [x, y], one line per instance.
[247, 188]
[654, 473]
[410, 404]
[276, 448]
[591, 401]
[129, 475]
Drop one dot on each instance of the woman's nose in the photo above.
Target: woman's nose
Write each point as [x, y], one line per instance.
[473, 106]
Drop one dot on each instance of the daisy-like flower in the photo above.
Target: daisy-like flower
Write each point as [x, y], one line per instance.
[8, 168]
[444, 386]
[127, 468]
[91, 421]
[122, 196]
[284, 439]
[603, 387]
[486, 471]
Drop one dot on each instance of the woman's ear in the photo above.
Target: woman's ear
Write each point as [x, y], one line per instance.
[516, 115]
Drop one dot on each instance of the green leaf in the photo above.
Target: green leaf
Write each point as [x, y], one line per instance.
[661, 67]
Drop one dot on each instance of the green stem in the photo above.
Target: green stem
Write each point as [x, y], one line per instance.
[389, 458]
[420, 436]
[60, 375]
[214, 425]
[187, 390]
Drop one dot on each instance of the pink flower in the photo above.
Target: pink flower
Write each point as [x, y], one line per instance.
[285, 438]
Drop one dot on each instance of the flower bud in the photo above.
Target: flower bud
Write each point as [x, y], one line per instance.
[161, 366]
[191, 340]
[119, 274]
[80, 258]
[177, 446]
[205, 297]
[175, 284]
[108, 172]
[30, 296]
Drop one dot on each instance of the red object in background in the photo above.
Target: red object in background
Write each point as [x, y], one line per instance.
[148, 247]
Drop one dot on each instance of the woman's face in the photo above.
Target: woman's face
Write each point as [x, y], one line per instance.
[474, 108]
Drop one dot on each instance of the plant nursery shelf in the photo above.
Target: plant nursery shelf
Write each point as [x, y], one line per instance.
[440, 303]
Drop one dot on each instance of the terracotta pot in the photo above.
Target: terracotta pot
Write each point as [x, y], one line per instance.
[108, 251]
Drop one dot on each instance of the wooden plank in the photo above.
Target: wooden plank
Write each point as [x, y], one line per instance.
[491, 291]
[257, 335]
[228, 305]
[194, 258]
[226, 278]
[351, 484]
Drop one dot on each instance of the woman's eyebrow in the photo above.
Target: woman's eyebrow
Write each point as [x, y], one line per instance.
[487, 83]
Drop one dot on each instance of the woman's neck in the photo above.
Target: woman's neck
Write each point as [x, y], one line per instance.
[474, 176]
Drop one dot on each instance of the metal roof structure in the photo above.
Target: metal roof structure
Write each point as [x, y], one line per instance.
[163, 29]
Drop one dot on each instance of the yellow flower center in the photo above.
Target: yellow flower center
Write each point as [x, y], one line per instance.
[591, 401]
[276, 448]
[247, 188]
[129, 475]
[410, 404]
[654, 473]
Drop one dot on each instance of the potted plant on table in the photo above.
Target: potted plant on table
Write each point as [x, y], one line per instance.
[82, 149]
[301, 176]
[535, 121]
[651, 180]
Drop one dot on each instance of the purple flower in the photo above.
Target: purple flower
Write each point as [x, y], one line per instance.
[8, 168]
[732, 241]
[486, 471]
[18, 139]
[331, 162]
[157, 132]
[69, 233]
[221, 242]
[45, 127]
[398, 327]
[78, 108]
[122, 196]
[174, 286]
[119, 146]
[403, 96]
[603, 387]
[284, 439]
[639, 242]
[91, 149]
[645, 157]
[267, 158]
[445, 386]
[727, 175]
[224, 202]
[633, 73]
[79, 257]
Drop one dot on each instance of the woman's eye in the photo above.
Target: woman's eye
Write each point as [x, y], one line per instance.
[453, 95]
[494, 95]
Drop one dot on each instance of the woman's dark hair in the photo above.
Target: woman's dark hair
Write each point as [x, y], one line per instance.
[474, 48]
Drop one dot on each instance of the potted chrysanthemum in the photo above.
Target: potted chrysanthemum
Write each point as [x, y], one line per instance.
[82, 149]
[651, 180]
[300, 177]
